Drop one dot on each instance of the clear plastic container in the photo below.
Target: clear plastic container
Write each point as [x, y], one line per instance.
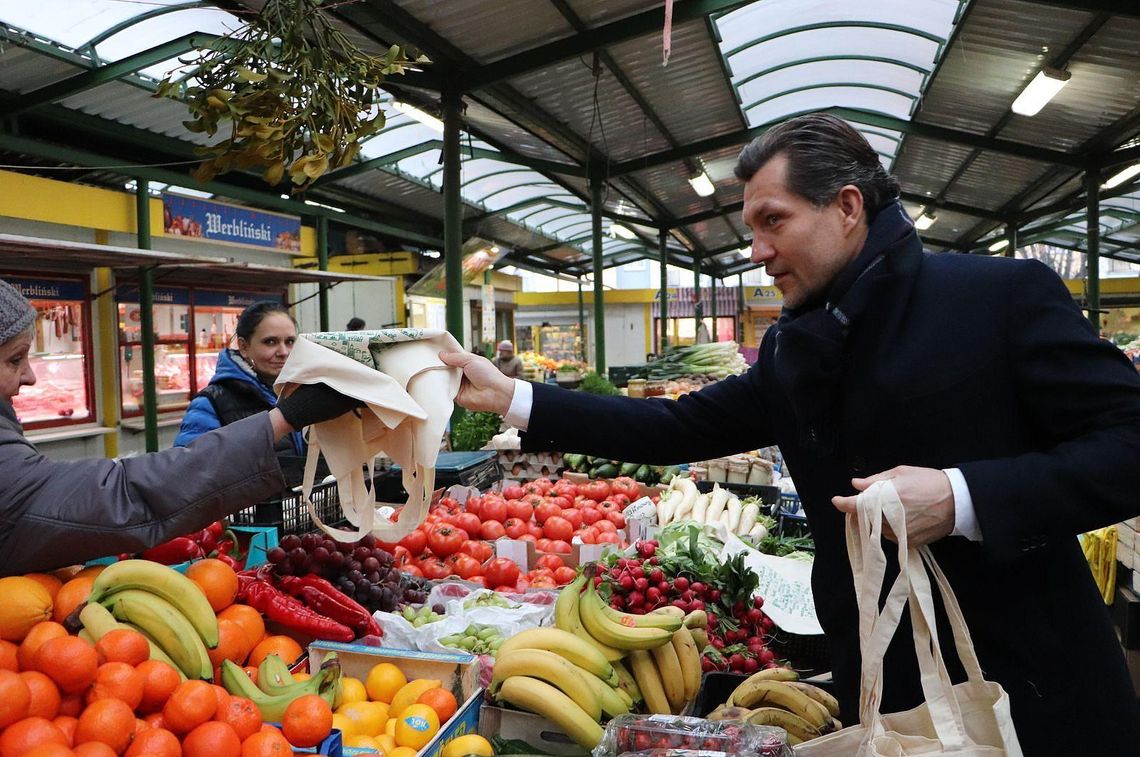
[678, 736]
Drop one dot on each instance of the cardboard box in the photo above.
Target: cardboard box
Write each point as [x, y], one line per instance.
[535, 730]
[458, 672]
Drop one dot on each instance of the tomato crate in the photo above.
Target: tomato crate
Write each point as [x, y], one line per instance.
[288, 512]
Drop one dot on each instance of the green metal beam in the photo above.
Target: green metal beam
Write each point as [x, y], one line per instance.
[73, 85]
[146, 316]
[829, 85]
[323, 264]
[599, 291]
[597, 38]
[453, 216]
[161, 10]
[378, 162]
[829, 59]
[954, 207]
[663, 289]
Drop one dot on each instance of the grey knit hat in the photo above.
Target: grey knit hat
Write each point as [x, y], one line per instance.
[16, 313]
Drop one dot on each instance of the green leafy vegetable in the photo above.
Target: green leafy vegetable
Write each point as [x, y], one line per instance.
[474, 430]
[592, 383]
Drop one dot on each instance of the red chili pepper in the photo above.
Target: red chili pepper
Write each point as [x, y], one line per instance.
[328, 600]
[209, 536]
[178, 549]
[289, 612]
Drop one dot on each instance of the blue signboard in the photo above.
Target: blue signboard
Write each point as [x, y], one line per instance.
[46, 289]
[218, 222]
[162, 295]
[231, 299]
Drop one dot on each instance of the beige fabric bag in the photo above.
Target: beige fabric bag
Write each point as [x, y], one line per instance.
[409, 395]
[970, 719]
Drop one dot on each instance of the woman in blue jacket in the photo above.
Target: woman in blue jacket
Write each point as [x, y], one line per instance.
[243, 383]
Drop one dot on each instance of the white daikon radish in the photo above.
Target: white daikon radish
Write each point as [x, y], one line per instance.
[716, 504]
[733, 509]
[667, 507]
[748, 518]
[689, 491]
[700, 507]
[758, 532]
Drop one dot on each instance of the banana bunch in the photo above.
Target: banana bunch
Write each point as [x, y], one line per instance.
[276, 689]
[162, 604]
[668, 676]
[562, 677]
[1100, 550]
[776, 697]
[586, 615]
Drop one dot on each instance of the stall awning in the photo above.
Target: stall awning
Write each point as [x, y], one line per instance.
[681, 304]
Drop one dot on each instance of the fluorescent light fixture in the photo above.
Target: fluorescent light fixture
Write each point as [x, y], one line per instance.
[702, 184]
[431, 253]
[617, 230]
[415, 113]
[1040, 91]
[1123, 176]
[495, 249]
[1001, 244]
[284, 197]
[316, 204]
[925, 221]
[745, 252]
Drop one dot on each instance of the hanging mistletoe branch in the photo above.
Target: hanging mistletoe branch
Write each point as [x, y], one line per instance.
[296, 94]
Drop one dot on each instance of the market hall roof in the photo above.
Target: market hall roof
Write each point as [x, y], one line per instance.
[556, 91]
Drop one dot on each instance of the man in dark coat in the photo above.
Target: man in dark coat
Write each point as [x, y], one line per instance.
[974, 383]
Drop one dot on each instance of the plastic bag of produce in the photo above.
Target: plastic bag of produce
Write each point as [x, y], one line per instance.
[677, 736]
[408, 394]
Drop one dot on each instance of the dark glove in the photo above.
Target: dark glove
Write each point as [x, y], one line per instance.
[315, 403]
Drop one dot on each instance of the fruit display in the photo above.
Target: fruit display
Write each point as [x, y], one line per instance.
[776, 697]
[601, 467]
[426, 614]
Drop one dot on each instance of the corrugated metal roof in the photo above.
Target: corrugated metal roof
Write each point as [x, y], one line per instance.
[24, 70]
[978, 187]
[137, 107]
[514, 25]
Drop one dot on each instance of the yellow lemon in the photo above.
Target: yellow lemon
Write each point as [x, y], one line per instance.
[344, 723]
[302, 676]
[351, 690]
[409, 693]
[386, 742]
[383, 681]
[390, 728]
[356, 741]
[416, 726]
[368, 718]
[402, 751]
[470, 744]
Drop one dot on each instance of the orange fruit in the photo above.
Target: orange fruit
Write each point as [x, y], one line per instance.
[45, 694]
[51, 750]
[37, 635]
[23, 603]
[72, 594]
[110, 721]
[9, 657]
[231, 644]
[155, 720]
[15, 698]
[250, 621]
[190, 705]
[20, 738]
[307, 721]
[282, 646]
[69, 661]
[94, 749]
[242, 715]
[416, 726]
[117, 680]
[159, 680]
[211, 739]
[440, 700]
[222, 696]
[123, 645]
[71, 705]
[67, 724]
[383, 681]
[48, 581]
[154, 742]
[251, 672]
[92, 571]
[217, 581]
[266, 744]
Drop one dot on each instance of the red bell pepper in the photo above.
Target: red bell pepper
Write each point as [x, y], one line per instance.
[289, 612]
[209, 536]
[228, 551]
[178, 549]
[322, 596]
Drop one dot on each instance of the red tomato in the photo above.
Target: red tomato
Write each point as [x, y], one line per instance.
[534, 500]
[415, 542]
[412, 570]
[469, 522]
[501, 572]
[473, 504]
[625, 485]
[540, 572]
[620, 500]
[574, 515]
[435, 568]
[589, 535]
[514, 492]
[495, 509]
[561, 547]
[532, 488]
[401, 556]
[449, 504]
[563, 502]
[465, 566]
[446, 539]
[609, 538]
[543, 582]
[491, 530]
[553, 562]
[557, 527]
[546, 510]
[515, 527]
[564, 575]
[617, 519]
[598, 490]
[542, 545]
[545, 484]
[480, 550]
[591, 515]
[607, 506]
[584, 503]
[534, 530]
[477, 579]
[521, 509]
[606, 526]
[564, 488]
[528, 537]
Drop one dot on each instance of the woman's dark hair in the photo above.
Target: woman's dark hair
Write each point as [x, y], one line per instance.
[824, 154]
[253, 315]
[355, 324]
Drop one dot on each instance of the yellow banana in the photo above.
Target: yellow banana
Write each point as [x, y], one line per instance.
[614, 633]
[768, 674]
[672, 679]
[165, 582]
[819, 695]
[163, 622]
[613, 701]
[541, 698]
[627, 683]
[701, 637]
[649, 682]
[727, 712]
[567, 618]
[324, 684]
[690, 660]
[555, 670]
[565, 644]
[798, 729]
[274, 676]
[753, 694]
[98, 621]
[660, 618]
[697, 619]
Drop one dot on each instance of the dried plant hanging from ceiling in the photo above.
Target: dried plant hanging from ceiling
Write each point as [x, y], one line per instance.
[296, 96]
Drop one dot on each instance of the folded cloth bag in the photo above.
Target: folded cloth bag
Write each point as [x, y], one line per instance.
[408, 394]
[969, 719]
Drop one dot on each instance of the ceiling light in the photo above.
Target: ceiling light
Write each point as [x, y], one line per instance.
[925, 221]
[1001, 244]
[1041, 90]
[702, 184]
[316, 204]
[431, 253]
[1123, 176]
[415, 113]
[495, 249]
[617, 230]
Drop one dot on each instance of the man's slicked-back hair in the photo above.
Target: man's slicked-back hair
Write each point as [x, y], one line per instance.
[824, 154]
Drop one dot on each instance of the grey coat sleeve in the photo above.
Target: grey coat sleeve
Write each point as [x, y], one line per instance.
[55, 513]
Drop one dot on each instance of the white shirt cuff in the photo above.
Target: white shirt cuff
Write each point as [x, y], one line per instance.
[518, 415]
[965, 519]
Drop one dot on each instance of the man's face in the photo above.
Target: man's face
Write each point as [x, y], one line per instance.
[506, 354]
[801, 246]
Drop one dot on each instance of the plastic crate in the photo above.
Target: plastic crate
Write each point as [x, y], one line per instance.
[620, 375]
[478, 469]
[810, 655]
[288, 512]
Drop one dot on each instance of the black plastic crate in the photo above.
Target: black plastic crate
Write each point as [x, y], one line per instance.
[477, 469]
[620, 375]
[288, 512]
[810, 655]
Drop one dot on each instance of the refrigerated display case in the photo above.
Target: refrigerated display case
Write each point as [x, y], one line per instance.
[61, 345]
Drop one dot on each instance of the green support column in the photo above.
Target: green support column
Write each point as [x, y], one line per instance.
[1092, 229]
[146, 312]
[712, 305]
[452, 214]
[599, 295]
[698, 307]
[583, 353]
[323, 264]
[662, 239]
[1011, 235]
[738, 330]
